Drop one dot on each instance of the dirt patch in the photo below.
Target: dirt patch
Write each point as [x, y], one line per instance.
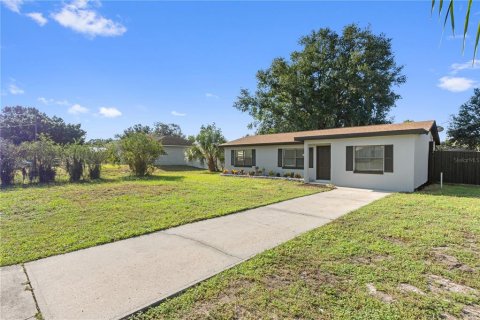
[227, 296]
[448, 316]
[279, 280]
[450, 261]
[471, 312]
[395, 240]
[379, 294]
[317, 278]
[405, 287]
[468, 313]
[439, 285]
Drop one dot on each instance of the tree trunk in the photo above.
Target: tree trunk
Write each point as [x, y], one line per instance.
[212, 166]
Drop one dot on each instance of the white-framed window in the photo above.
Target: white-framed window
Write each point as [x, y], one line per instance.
[369, 159]
[243, 158]
[293, 158]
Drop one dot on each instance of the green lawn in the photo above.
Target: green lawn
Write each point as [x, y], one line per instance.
[365, 265]
[40, 221]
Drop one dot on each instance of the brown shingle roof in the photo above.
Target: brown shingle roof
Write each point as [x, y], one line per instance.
[336, 133]
[174, 141]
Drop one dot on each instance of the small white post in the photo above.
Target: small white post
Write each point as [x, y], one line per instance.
[441, 180]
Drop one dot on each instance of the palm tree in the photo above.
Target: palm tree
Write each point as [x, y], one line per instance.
[206, 147]
[450, 15]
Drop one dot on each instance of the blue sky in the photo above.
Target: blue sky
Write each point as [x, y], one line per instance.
[111, 64]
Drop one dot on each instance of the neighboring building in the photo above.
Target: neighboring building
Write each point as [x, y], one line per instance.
[388, 156]
[174, 148]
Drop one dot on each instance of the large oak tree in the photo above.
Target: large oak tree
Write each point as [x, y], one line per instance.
[21, 124]
[334, 80]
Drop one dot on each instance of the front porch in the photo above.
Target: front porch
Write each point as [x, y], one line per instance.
[317, 163]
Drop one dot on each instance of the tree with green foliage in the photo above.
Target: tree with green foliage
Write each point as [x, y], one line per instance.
[140, 150]
[138, 128]
[9, 158]
[43, 156]
[74, 155]
[167, 130]
[464, 128]
[159, 129]
[21, 124]
[206, 147]
[95, 157]
[333, 81]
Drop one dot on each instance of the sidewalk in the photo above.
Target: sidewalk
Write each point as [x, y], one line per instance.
[114, 280]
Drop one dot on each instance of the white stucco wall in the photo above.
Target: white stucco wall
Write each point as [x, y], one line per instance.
[266, 157]
[410, 162]
[401, 179]
[421, 159]
[176, 157]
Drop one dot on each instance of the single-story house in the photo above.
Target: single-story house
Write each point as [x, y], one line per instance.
[174, 148]
[387, 156]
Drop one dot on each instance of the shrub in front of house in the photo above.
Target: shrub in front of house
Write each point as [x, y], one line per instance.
[140, 150]
[298, 175]
[251, 173]
[271, 173]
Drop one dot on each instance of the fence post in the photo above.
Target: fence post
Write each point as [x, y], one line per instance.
[441, 180]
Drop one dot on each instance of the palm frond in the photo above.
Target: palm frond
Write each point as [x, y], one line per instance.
[476, 43]
[465, 26]
[450, 14]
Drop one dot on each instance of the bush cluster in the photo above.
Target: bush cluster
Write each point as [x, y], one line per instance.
[271, 173]
[39, 160]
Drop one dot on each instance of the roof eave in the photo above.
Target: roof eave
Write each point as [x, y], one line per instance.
[261, 144]
[363, 134]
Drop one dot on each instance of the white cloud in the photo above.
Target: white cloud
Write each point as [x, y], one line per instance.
[109, 112]
[178, 114]
[457, 37]
[469, 65]
[79, 17]
[455, 84]
[77, 109]
[15, 90]
[46, 101]
[38, 18]
[13, 5]
[62, 102]
[211, 95]
[43, 100]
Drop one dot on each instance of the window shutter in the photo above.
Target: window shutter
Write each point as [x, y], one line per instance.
[254, 158]
[232, 161]
[310, 157]
[279, 159]
[388, 158]
[349, 159]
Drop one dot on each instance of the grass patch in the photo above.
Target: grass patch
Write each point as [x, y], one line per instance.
[407, 256]
[44, 220]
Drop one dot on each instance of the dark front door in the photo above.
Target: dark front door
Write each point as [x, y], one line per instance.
[323, 163]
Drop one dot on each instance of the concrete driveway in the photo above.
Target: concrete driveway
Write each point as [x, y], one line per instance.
[114, 280]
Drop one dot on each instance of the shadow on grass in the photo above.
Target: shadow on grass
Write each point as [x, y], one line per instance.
[150, 178]
[179, 168]
[453, 190]
[91, 182]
